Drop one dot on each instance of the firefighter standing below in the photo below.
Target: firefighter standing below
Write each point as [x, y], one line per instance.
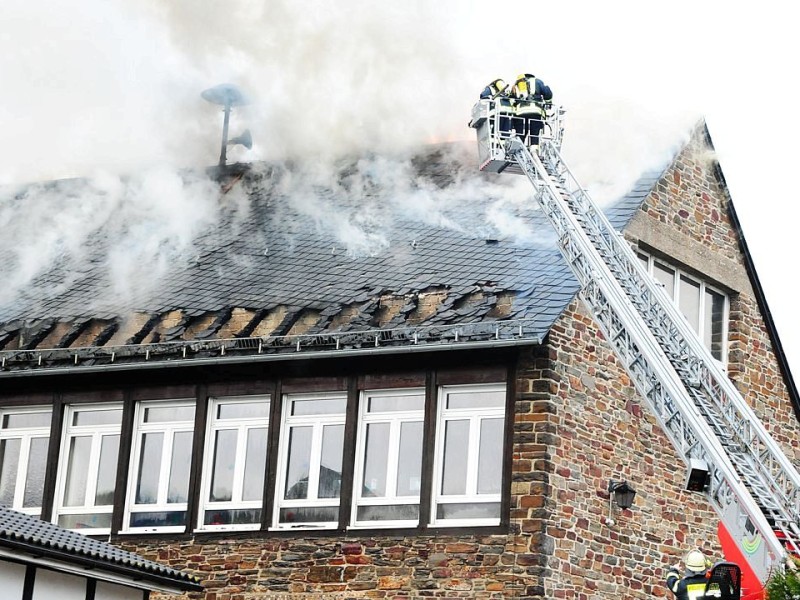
[693, 584]
[531, 99]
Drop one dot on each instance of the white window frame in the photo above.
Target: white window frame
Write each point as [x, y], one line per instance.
[169, 429]
[395, 420]
[243, 426]
[676, 299]
[25, 435]
[317, 422]
[96, 432]
[475, 416]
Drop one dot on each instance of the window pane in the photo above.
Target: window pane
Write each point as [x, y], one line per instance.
[90, 521]
[168, 414]
[475, 399]
[298, 463]
[319, 406]
[107, 471]
[714, 323]
[395, 403]
[223, 465]
[255, 464]
[232, 517]
[377, 451]
[454, 467]
[690, 301]
[172, 518]
[408, 471]
[330, 471]
[488, 510]
[77, 471]
[394, 512]
[149, 468]
[97, 417]
[309, 514]
[666, 277]
[243, 410]
[26, 419]
[490, 456]
[9, 464]
[34, 478]
[178, 489]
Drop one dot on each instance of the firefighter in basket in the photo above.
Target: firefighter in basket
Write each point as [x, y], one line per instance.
[531, 97]
[498, 91]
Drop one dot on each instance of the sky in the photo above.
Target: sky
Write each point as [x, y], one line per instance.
[103, 88]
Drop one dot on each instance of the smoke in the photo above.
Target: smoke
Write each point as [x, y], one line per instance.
[110, 89]
[138, 229]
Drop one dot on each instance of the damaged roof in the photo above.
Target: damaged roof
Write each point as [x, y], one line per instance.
[436, 253]
[25, 534]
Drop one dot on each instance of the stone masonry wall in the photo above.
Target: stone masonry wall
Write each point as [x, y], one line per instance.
[604, 431]
[687, 216]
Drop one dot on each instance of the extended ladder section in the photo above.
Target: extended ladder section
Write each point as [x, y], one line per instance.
[750, 481]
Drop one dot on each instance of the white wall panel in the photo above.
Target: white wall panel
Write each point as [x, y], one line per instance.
[12, 580]
[51, 585]
[113, 591]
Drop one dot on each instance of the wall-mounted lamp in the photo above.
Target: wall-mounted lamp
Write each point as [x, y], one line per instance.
[621, 493]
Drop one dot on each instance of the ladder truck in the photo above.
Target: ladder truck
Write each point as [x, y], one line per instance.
[730, 456]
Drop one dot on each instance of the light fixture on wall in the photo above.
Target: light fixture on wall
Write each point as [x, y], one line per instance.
[622, 494]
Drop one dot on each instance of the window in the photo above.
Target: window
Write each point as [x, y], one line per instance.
[705, 308]
[161, 460]
[420, 455]
[310, 460]
[85, 486]
[389, 458]
[24, 437]
[235, 463]
[469, 452]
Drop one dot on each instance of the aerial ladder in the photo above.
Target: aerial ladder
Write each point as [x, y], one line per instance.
[730, 456]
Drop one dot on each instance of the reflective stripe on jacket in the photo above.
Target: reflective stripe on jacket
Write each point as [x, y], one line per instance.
[690, 587]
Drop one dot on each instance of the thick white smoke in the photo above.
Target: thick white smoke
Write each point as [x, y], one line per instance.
[110, 89]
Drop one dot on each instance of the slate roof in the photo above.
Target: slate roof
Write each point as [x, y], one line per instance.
[26, 534]
[273, 271]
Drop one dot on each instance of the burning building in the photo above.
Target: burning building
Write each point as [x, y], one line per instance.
[379, 382]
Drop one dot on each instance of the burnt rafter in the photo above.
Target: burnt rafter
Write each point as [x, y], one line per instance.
[31, 337]
[137, 337]
[251, 325]
[73, 334]
[106, 334]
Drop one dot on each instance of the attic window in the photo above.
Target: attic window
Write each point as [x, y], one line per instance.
[24, 437]
[236, 459]
[705, 307]
[310, 460]
[161, 459]
[88, 472]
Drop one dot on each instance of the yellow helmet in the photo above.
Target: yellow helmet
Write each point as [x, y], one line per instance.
[499, 85]
[695, 561]
[522, 84]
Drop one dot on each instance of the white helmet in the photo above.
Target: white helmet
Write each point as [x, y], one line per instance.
[695, 561]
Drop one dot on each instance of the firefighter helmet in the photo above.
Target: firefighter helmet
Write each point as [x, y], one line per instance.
[695, 561]
[498, 85]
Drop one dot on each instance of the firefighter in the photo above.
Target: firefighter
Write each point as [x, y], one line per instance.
[531, 100]
[693, 583]
[497, 91]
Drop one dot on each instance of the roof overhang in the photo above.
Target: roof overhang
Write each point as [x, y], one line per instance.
[49, 558]
[472, 336]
